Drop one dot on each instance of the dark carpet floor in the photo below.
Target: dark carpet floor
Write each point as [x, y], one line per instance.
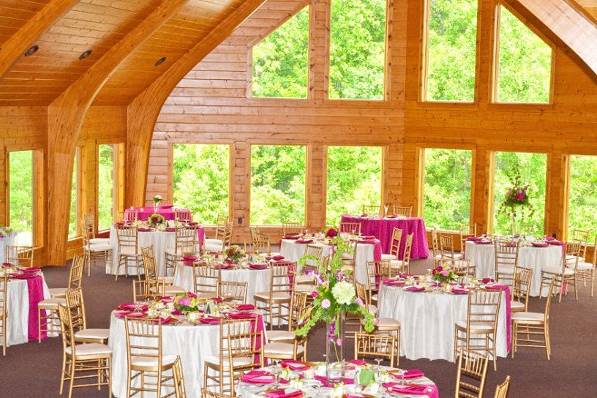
[33, 370]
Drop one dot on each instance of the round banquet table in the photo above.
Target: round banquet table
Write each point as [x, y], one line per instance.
[23, 296]
[427, 321]
[257, 280]
[382, 229]
[365, 252]
[312, 387]
[161, 241]
[193, 343]
[143, 213]
[482, 256]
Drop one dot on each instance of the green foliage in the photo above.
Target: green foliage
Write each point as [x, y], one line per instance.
[200, 180]
[524, 62]
[451, 50]
[74, 193]
[280, 61]
[532, 169]
[105, 192]
[353, 180]
[357, 49]
[447, 188]
[20, 192]
[277, 184]
[583, 193]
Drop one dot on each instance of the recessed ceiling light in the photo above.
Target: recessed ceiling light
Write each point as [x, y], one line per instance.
[31, 50]
[85, 54]
[160, 61]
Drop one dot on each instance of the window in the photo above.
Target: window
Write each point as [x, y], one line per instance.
[200, 180]
[281, 60]
[277, 184]
[451, 50]
[20, 193]
[582, 201]
[353, 180]
[447, 188]
[524, 62]
[106, 186]
[357, 49]
[530, 170]
[73, 224]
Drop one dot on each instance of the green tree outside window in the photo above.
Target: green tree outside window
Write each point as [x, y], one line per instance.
[20, 193]
[74, 202]
[105, 191]
[583, 193]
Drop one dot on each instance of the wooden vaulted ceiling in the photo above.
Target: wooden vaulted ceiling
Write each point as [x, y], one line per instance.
[97, 25]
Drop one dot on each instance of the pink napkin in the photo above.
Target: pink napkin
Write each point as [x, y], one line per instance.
[31, 270]
[277, 258]
[415, 289]
[304, 241]
[257, 377]
[135, 315]
[367, 237]
[241, 315]
[166, 206]
[329, 383]
[409, 374]
[367, 241]
[282, 393]
[483, 242]
[170, 229]
[411, 389]
[293, 365]
[144, 229]
[290, 237]
[245, 307]
[27, 275]
[133, 307]
[540, 244]
[459, 290]
[358, 362]
[224, 266]
[555, 242]
[393, 282]
[257, 266]
[166, 321]
[210, 320]
[487, 280]
[472, 239]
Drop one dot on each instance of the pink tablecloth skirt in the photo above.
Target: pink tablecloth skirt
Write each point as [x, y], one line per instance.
[143, 213]
[382, 229]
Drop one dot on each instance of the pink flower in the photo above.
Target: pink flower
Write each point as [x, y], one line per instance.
[325, 303]
[359, 301]
[185, 301]
[314, 294]
[331, 233]
[338, 341]
[444, 273]
[439, 268]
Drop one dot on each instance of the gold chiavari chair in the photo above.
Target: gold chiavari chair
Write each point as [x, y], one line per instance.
[179, 389]
[296, 347]
[94, 248]
[185, 244]
[580, 235]
[585, 270]
[238, 349]
[404, 264]
[146, 361]
[464, 268]
[233, 292]
[353, 228]
[128, 251]
[372, 276]
[129, 215]
[466, 231]
[403, 211]
[150, 272]
[19, 255]
[531, 329]
[478, 332]
[505, 260]
[447, 251]
[501, 391]
[292, 228]
[145, 290]
[312, 259]
[471, 374]
[394, 245]
[221, 239]
[278, 297]
[91, 359]
[436, 253]
[206, 280]
[374, 346]
[298, 305]
[3, 312]
[76, 306]
[564, 276]
[75, 278]
[521, 289]
[259, 241]
[371, 210]
[182, 215]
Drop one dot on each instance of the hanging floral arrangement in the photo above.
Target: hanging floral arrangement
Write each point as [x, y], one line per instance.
[516, 203]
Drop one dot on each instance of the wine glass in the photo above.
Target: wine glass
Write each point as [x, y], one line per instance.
[378, 369]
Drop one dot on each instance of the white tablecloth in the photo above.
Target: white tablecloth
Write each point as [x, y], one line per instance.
[18, 310]
[192, 343]
[161, 241]
[257, 280]
[427, 321]
[535, 258]
[293, 251]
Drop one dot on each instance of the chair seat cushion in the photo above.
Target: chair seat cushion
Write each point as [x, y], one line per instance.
[584, 266]
[148, 363]
[387, 324]
[506, 269]
[528, 317]
[213, 245]
[475, 327]
[558, 271]
[397, 264]
[280, 335]
[99, 247]
[51, 304]
[517, 305]
[168, 280]
[57, 292]
[281, 349]
[99, 241]
[92, 334]
[386, 257]
[305, 279]
[174, 290]
[273, 296]
[236, 361]
[91, 350]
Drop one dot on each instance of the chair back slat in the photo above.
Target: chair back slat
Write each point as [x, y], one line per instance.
[351, 227]
[128, 240]
[396, 240]
[206, 279]
[471, 374]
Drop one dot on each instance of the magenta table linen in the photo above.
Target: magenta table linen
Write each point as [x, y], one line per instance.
[382, 229]
[143, 213]
[508, 297]
[35, 286]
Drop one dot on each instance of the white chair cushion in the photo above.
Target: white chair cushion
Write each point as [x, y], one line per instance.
[168, 280]
[275, 296]
[57, 292]
[304, 279]
[279, 335]
[397, 264]
[506, 269]
[152, 363]
[236, 361]
[386, 257]
[387, 324]
[528, 317]
[92, 334]
[475, 327]
[517, 306]
[584, 266]
[100, 241]
[89, 350]
[558, 271]
[100, 247]
[282, 349]
[174, 290]
[213, 245]
[51, 304]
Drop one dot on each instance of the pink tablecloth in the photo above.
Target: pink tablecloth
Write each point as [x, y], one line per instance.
[143, 213]
[508, 297]
[382, 229]
[35, 288]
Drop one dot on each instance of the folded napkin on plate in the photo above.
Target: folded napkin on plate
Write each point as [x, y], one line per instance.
[358, 362]
[166, 206]
[224, 266]
[242, 315]
[409, 374]
[277, 258]
[284, 393]
[257, 266]
[210, 320]
[245, 307]
[120, 314]
[539, 244]
[555, 242]
[473, 239]
[367, 237]
[258, 377]
[31, 270]
[366, 241]
[487, 280]
[291, 237]
[393, 282]
[296, 366]
[459, 290]
[329, 383]
[170, 229]
[143, 229]
[483, 242]
[135, 315]
[166, 321]
[304, 241]
[411, 389]
[27, 275]
[133, 307]
[414, 289]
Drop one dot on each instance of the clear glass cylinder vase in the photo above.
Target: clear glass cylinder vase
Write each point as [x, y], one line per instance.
[334, 348]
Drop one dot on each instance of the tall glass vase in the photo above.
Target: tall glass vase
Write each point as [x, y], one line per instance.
[334, 348]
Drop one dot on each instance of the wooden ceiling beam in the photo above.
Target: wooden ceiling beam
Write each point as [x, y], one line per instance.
[143, 111]
[13, 48]
[65, 119]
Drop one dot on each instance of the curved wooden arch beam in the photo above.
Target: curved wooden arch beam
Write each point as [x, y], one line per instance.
[18, 43]
[65, 118]
[144, 110]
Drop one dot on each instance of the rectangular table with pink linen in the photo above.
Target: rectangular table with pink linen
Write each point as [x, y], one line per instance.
[382, 229]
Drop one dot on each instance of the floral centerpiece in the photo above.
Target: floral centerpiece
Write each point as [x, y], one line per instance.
[156, 219]
[516, 202]
[443, 274]
[331, 232]
[188, 303]
[335, 297]
[5, 231]
[234, 254]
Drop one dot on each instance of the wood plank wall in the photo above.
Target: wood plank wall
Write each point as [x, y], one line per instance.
[212, 105]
